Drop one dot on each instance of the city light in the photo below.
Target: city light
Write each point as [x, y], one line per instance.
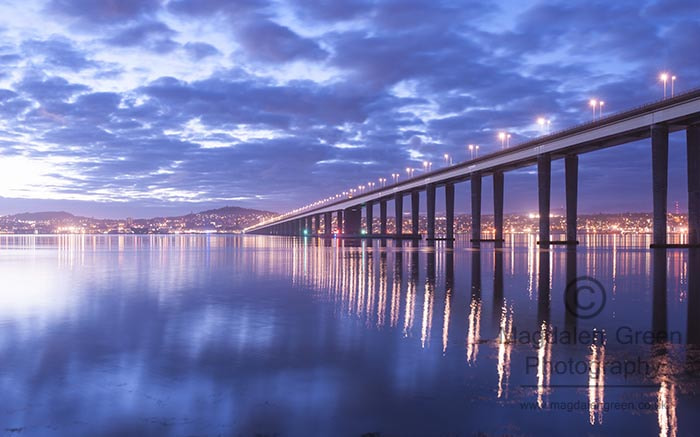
[502, 137]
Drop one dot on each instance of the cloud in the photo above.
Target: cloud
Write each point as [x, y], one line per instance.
[200, 50]
[151, 35]
[94, 13]
[56, 52]
[266, 41]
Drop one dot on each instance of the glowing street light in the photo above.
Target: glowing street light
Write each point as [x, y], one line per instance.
[502, 137]
[476, 148]
[664, 78]
[593, 103]
[544, 124]
[409, 172]
[382, 181]
[448, 160]
[600, 112]
[471, 151]
[395, 177]
[508, 140]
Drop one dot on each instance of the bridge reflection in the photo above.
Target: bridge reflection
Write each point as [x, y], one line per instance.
[416, 292]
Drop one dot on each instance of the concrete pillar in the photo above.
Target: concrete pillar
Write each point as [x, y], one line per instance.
[430, 210]
[382, 217]
[544, 182]
[659, 166]
[415, 208]
[693, 140]
[450, 214]
[353, 220]
[476, 207]
[339, 224]
[300, 226]
[369, 216]
[398, 211]
[571, 174]
[327, 224]
[317, 224]
[498, 206]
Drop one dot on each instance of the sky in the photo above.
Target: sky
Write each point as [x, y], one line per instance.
[113, 108]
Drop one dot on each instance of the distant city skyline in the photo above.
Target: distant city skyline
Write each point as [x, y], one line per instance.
[147, 108]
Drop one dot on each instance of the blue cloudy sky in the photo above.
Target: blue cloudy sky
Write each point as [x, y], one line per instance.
[143, 107]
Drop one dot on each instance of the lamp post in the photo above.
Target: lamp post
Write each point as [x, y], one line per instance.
[600, 112]
[664, 79]
[477, 151]
[502, 137]
[507, 140]
[471, 151]
[673, 81]
[593, 103]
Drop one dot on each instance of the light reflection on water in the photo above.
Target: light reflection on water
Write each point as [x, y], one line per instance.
[246, 335]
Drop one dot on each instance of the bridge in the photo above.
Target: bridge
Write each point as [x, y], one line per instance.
[655, 121]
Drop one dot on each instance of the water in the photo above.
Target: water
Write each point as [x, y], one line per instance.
[245, 335]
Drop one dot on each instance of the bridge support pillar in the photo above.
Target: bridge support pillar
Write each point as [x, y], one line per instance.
[415, 208]
[476, 208]
[693, 140]
[430, 210]
[498, 207]
[369, 215]
[659, 165]
[382, 217]
[328, 224]
[571, 175]
[544, 183]
[300, 226]
[398, 210]
[353, 220]
[317, 224]
[449, 215]
[339, 222]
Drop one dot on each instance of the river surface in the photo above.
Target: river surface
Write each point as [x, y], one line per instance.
[273, 336]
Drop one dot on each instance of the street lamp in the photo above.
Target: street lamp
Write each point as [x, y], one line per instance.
[508, 140]
[477, 151]
[502, 137]
[673, 81]
[664, 78]
[600, 113]
[593, 103]
[448, 161]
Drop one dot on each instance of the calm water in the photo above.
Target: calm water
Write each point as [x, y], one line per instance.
[231, 335]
